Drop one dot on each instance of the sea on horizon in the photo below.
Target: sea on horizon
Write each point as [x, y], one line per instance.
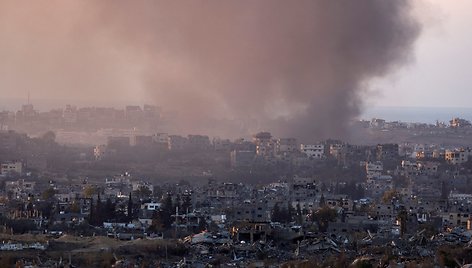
[417, 114]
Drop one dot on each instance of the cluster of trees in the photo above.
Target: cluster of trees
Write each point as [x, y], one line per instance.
[16, 226]
[162, 219]
[321, 217]
[390, 196]
[106, 211]
[48, 193]
[282, 214]
[288, 214]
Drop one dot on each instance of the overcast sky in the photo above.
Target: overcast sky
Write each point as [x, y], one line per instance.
[441, 74]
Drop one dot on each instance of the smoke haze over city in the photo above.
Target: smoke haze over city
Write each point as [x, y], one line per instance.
[235, 133]
[218, 67]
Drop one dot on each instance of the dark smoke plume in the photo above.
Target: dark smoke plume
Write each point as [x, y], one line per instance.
[296, 68]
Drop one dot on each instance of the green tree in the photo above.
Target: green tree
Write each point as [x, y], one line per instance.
[91, 218]
[275, 215]
[402, 217]
[202, 224]
[322, 201]
[49, 137]
[10, 195]
[290, 212]
[156, 224]
[354, 206]
[74, 207]
[167, 211]
[162, 219]
[48, 193]
[281, 214]
[99, 212]
[444, 190]
[143, 192]
[323, 217]
[299, 215]
[130, 208]
[186, 203]
[110, 210]
[46, 208]
[389, 195]
[90, 191]
[2, 185]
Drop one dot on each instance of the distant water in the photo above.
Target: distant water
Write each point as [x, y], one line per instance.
[417, 114]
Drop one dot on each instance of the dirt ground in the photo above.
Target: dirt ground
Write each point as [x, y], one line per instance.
[98, 251]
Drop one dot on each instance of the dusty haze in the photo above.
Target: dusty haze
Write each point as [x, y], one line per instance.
[296, 68]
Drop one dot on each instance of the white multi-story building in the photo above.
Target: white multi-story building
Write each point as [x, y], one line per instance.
[313, 150]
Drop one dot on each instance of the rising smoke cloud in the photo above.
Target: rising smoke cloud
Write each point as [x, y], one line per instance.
[226, 67]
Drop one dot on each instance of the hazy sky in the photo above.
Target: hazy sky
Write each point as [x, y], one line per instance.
[244, 65]
[441, 74]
